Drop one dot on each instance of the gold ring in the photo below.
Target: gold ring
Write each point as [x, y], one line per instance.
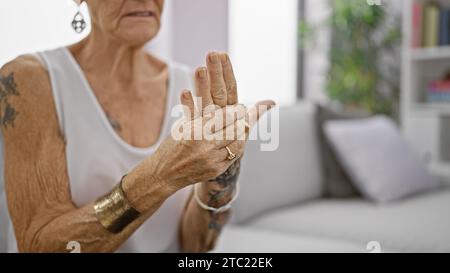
[231, 156]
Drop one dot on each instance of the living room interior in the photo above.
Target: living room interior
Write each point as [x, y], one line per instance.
[363, 89]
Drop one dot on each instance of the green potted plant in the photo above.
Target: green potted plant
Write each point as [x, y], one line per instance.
[364, 56]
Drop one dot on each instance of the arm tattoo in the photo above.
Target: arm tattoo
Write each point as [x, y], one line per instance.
[8, 88]
[226, 183]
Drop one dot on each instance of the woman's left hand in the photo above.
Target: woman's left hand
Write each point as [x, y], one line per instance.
[216, 85]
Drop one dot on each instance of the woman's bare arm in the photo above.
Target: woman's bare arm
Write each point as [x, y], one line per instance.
[201, 228]
[45, 218]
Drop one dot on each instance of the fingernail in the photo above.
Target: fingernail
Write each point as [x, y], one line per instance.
[214, 58]
[202, 73]
[225, 59]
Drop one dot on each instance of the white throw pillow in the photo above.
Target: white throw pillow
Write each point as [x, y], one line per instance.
[378, 160]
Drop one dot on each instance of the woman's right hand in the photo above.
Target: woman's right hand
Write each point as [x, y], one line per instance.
[181, 162]
[192, 158]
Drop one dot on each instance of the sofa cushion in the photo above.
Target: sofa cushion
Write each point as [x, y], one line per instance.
[289, 174]
[336, 181]
[415, 224]
[248, 239]
[378, 159]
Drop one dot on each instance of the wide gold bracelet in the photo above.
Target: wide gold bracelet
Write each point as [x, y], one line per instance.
[114, 211]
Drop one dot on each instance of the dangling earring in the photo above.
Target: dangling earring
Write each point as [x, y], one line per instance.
[78, 22]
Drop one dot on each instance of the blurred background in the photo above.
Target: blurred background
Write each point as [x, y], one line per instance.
[352, 58]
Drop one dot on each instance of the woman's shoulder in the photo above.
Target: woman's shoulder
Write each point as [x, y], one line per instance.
[25, 70]
[28, 63]
[24, 84]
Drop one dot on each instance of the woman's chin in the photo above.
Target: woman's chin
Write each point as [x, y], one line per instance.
[137, 36]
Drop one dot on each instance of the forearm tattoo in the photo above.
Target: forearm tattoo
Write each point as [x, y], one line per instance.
[8, 88]
[225, 186]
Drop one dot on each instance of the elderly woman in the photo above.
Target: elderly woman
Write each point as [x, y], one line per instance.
[87, 146]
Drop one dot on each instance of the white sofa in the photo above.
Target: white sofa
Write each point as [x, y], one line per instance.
[281, 207]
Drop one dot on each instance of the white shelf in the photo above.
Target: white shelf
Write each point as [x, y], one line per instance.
[429, 54]
[426, 125]
[437, 108]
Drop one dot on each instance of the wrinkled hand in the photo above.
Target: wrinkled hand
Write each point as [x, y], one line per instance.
[187, 160]
[181, 162]
[216, 86]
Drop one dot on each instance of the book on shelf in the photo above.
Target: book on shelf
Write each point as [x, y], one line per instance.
[438, 91]
[438, 97]
[444, 27]
[430, 31]
[417, 25]
[430, 24]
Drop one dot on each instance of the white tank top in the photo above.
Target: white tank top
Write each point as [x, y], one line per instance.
[97, 157]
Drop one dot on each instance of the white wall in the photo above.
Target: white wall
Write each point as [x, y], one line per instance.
[199, 27]
[316, 62]
[263, 48]
[30, 25]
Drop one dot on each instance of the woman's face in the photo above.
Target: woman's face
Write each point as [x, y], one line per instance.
[133, 22]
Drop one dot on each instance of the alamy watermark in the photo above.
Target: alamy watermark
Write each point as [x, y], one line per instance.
[374, 2]
[74, 247]
[373, 247]
[235, 122]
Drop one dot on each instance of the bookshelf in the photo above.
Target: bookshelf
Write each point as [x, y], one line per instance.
[429, 54]
[426, 124]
